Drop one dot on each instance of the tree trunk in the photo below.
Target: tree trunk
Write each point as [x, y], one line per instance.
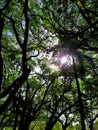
[1, 60]
[91, 125]
[24, 123]
[15, 123]
[50, 126]
[64, 127]
[81, 107]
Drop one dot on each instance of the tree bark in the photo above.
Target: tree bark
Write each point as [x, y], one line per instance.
[1, 60]
[50, 126]
[64, 127]
[16, 85]
[15, 123]
[81, 107]
[91, 125]
[25, 122]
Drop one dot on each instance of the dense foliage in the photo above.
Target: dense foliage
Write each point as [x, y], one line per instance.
[48, 64]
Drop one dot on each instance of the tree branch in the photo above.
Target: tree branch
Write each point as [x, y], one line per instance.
[5, 6]
[25, 11]
[15, 86]
[1, 60]
[92, 25]
[16, 33]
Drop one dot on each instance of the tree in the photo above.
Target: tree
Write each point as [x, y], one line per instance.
[73, 37]
[29, 86]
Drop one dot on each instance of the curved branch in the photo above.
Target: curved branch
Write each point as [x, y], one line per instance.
[14, 88]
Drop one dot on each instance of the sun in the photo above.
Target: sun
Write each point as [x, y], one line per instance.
[64, 60]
